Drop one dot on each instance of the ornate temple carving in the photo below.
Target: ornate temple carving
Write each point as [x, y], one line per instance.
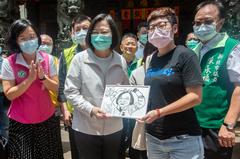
[8, 11]
[66, 10]
[232, 21]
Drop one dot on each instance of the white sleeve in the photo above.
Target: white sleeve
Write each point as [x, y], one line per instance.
[52, 66]
[233, 65]
[73, 87]
[7, 71]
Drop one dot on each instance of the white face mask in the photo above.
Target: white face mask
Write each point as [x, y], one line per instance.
[160, 38]
[46, 48]
[29, 46]
[205, 32]
[79, 37]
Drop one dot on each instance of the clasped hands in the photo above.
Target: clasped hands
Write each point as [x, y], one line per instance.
[35, 71]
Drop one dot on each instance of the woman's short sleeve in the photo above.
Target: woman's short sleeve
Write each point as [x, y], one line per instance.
[7, 71]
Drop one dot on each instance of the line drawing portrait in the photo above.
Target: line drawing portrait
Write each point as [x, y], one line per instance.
[126, 101]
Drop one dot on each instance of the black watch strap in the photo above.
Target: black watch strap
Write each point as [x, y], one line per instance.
[229, 126]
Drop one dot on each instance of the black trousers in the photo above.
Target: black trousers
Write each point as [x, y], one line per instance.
[212, 148]
[73, 146]
[98, 147]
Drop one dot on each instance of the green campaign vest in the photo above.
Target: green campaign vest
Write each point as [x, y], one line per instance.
[68, 55]
[132, 67]
[217, 88]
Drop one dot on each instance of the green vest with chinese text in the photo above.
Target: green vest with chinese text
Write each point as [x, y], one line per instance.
[217, 88]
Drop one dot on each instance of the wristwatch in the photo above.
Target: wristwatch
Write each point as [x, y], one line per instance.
[43, 78]
[229, 126]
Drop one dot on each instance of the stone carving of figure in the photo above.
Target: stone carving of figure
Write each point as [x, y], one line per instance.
[75, 7]
[63, 19]
[232, 20]
[3, 8]
[8, 13]
[66, 10]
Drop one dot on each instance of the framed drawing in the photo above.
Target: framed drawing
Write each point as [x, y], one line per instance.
[125, 101]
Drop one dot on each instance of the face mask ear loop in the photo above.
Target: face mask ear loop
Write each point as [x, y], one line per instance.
[153, 33]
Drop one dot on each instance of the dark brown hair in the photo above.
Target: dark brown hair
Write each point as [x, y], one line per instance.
[79, 19]
[113, 27]
[163, 12]
[16, 28]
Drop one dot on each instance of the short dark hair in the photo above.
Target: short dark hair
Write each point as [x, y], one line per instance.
[219, 5]
[163, 12]
[16, 28]
[142, 25]
[129, 35]
[113, 27]
[79, 19]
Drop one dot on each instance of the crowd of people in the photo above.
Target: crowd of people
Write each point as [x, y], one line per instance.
[193, 103]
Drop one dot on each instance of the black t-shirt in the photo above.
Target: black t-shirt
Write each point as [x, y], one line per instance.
[168, 76]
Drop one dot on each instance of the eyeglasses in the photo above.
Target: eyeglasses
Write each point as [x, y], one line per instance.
[79, 27]
[20, 39]
[161, 25]
[206, 22]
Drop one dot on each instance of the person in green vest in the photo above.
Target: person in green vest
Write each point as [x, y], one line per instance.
[129, 47]
[219, 57]
[79, 30]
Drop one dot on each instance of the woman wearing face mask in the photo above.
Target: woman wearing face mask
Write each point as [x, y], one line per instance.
[28, 76]
[96, 135]
[174, 74]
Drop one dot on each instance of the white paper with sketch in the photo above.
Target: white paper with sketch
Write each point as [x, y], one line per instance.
[125, 101]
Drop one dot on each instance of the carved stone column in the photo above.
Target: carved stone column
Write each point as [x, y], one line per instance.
[232, 21]
[66, 10]
[8, 13]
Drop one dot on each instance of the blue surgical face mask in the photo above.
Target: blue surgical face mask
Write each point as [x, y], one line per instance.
[46, 48]
[80, 37]
[205, 32]
[29, 46]
[143, 38]
[192, 43]
[101, 42]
